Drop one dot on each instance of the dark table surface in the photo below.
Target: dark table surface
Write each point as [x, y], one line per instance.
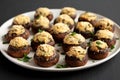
[109, 70]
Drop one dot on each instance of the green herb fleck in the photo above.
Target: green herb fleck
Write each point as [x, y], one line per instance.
[117, 38]
[59, 44]
[112, 47]
[73, 33]
[97, 42]
[39, 30]
[92, 33]
[61, 66]
[5, 42]
[88, 43]
[93, 61]
[25, 58]
[91, 39]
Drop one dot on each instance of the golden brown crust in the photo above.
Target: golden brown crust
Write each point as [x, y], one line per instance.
[43, 11]
[105, 23]
[74, 39]
[59, 31]
[43, 36]
[87, 16]
[65, 19]
[18, 52]
[60, 28]
[85, 28]
[50, 16]
[22, 20]
[69, 11]
[104, 34]
[40, 23]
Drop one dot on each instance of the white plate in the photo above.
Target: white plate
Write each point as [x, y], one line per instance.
[33, 66]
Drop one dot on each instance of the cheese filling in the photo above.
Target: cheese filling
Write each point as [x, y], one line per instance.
[69, 11]
[85, 27]
[60, 28]
[88, 16]
[44, 11]
[64, 18]
[105, 23]
[16, 29]
[74, 39]
[43, 36]
[45, 50]
[104, 34]
[41, 22]
[77, 52]
[21, 20]
[19, 42]
[98, 45]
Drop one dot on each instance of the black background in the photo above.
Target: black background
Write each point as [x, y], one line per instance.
[109, 70]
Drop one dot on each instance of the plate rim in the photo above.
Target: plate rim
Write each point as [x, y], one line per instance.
[57, 69]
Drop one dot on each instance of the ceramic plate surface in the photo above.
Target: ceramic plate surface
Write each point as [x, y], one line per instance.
[33, 66]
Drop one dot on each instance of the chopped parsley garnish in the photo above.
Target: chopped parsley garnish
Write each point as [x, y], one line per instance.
[61, 66]
[39, 30]
[92, 33]
[91, 39]
[112, 47]
[25, 58]
[5, 42]
[117, 38]
[93, 61]
[73, 33]
[88, 43]
[98, 42]
[59, 44]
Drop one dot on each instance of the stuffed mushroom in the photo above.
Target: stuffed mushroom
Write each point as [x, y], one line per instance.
[18, 47]
[42, 37]
[46, 56]
[76, 56]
